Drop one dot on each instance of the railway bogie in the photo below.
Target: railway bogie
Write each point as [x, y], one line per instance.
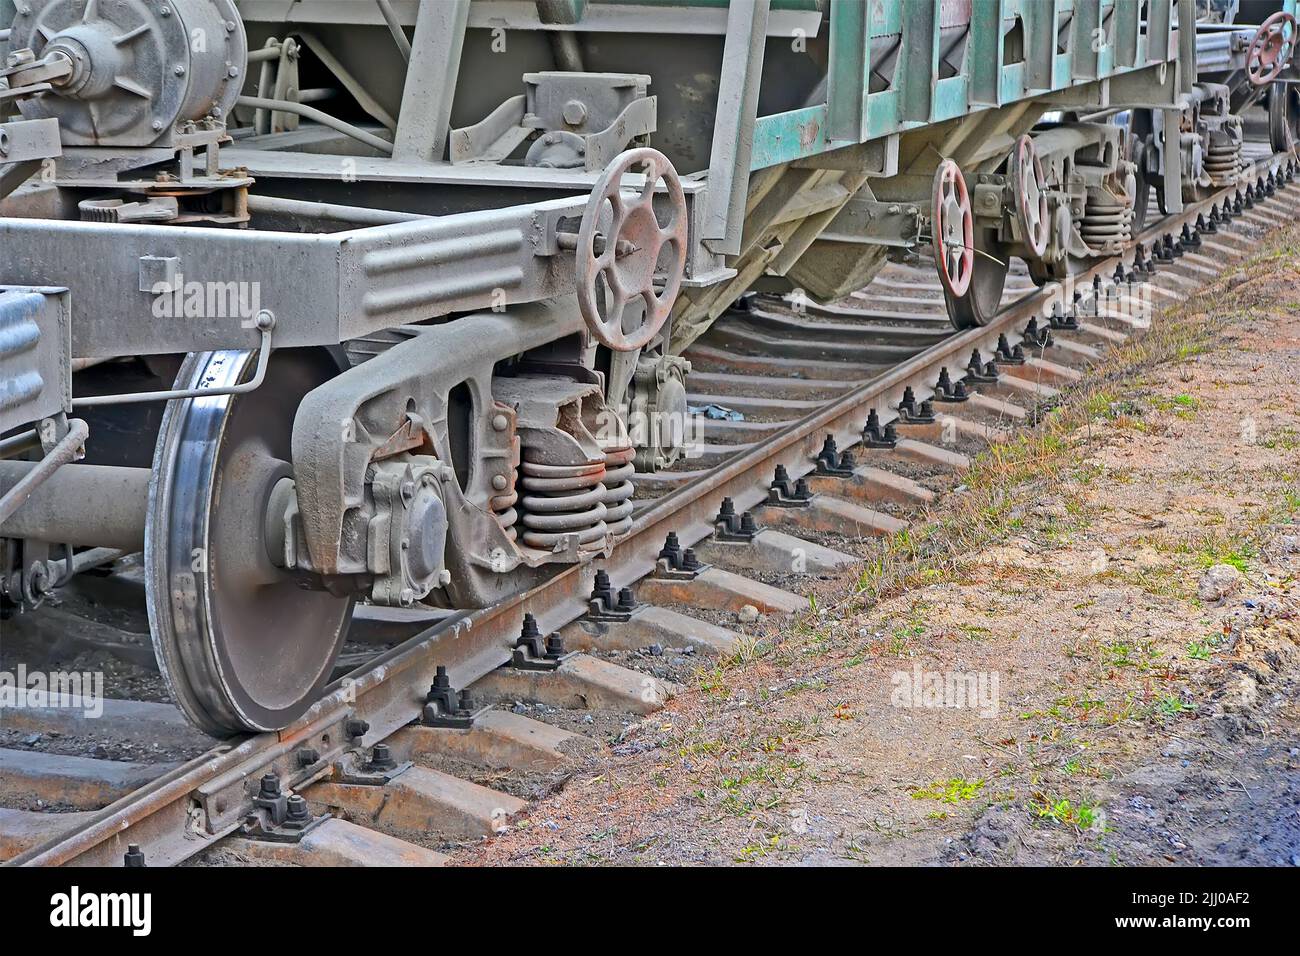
[414, 287]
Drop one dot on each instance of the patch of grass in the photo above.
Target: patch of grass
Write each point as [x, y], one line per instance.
[1162, 581]
[1171, 705]
[1284, 439]
[954, 790]
[713, 681]
[1198, 651]
[1238, 556]
[748, 648]
[1080, 816]
[1184, 406]
[756, 851]
[1125, 654]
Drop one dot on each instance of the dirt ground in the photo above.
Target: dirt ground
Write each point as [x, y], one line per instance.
[1087, 653]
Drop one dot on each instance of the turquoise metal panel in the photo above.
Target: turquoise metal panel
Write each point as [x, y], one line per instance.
[918, 61]
[1101, 38]
[886, 18]
[1040, 44]
[849, 71]
[950, 98]
[1106, 61]
[1013, 82]
[1126, 32]
[882, 114]
[1061, 72]
[984, 52]
[1086, 41]
[785, 137]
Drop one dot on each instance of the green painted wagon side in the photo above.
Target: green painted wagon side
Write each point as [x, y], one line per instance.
[1102, 39]
[909, 82]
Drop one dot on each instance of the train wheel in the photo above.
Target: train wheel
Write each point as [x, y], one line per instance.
[988, 278]
[243, 645]
[1283, 117]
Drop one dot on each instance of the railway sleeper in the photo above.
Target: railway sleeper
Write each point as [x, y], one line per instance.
[869, 483]
[418, 802]
[498, 739]
[720, 590]
[35, 778]
[828, 513]
[582, 682]
[774, 552]
[652, 624]
[337, 842]
[20, 830]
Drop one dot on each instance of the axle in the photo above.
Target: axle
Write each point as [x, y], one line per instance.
[84, 505]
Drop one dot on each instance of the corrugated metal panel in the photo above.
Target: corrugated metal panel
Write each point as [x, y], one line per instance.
[35, 355]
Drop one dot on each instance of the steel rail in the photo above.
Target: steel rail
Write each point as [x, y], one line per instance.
[197, 804]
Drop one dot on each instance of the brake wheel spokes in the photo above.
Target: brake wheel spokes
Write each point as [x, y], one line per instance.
[620, 251]
[953, 229]
[1030, 186]
[1270, 49]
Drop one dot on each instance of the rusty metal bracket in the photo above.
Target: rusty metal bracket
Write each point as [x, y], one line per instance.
[608, 604]
[277, 817]
[533, 652]
[785, 492]
[833, 463]
[444, 706]
[675, 563]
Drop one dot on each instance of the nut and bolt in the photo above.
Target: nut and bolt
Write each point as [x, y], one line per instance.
[381, 758]
[269, 787]
[296, 811]
[575, 112]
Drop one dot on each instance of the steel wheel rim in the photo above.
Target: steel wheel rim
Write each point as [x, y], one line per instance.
[235, 660]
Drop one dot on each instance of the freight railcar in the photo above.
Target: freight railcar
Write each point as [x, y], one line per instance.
[384, 301]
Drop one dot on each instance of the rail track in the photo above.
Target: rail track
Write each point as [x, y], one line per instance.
[374, 773]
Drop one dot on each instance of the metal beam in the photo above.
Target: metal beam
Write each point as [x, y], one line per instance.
[1173, 155]
[431, 80]
[1186, 64]
[733, 128]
